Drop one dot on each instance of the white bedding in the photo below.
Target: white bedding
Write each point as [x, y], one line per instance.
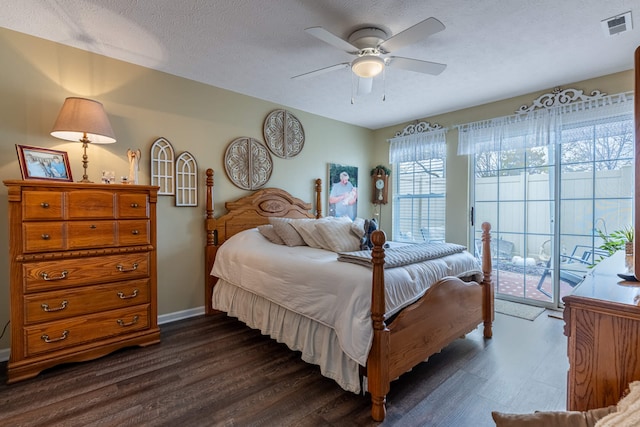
[312, 283]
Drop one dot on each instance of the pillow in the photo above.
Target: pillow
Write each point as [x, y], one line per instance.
[268, 231]
[337, 236]
[357, 227]
[628, 410]
[307, 230]
[552, 419]
[288, 234]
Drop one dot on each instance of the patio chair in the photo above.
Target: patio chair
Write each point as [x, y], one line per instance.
[581, 257]
[433, 235]
[500, 249]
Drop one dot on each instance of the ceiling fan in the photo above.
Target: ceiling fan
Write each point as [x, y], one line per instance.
[371, 45]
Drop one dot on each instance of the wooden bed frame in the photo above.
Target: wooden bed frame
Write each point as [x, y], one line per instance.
[449, 309]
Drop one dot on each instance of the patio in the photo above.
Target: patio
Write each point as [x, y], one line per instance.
[522, 282]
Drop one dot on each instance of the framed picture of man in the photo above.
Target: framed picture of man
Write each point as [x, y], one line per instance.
[343, 190]
[43, 163]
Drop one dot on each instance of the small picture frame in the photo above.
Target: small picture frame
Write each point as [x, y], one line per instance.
[43, 163]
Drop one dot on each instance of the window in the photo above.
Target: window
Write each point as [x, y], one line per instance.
[419, 201]
[418, 155]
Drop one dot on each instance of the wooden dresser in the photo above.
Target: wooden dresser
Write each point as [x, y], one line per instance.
[83, 272]
[602, 323]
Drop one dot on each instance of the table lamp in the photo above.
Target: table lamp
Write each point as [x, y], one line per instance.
[83, 120]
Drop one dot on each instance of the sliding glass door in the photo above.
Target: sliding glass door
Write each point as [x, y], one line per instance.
[554, 208]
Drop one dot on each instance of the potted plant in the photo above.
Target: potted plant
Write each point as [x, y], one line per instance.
[617, 240]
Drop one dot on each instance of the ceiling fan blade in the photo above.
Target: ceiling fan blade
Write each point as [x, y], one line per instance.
[332, 39]
[321, 71]
[425, 67]
[411, 35]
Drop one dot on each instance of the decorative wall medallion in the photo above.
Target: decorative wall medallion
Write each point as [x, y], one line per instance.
[283, 134]
[248, 163]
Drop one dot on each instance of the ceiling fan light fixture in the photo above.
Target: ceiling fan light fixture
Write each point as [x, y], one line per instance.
[367, 66]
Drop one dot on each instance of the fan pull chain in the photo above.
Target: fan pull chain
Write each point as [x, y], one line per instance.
[384, 84]
[353, 83]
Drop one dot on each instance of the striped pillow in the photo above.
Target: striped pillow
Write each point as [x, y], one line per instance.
[338, 236]
[268, 231]
[287, 233]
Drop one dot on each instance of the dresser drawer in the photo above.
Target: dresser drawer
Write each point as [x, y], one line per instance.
[38, 205]
[133, 206]
[133, 232]
[43, 236]
[91, 204]
[67, 273]
[55, 305]
[58, 335]
[91, 234]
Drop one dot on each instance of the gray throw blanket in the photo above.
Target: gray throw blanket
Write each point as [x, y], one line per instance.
[403, 255]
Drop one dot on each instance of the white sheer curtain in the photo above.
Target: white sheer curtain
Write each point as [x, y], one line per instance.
[418, 146]
[539, 127]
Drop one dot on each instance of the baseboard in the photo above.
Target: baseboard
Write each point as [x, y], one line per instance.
[180, 315]
[162, 319]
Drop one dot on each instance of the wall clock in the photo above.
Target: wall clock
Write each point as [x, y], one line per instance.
[380, 185]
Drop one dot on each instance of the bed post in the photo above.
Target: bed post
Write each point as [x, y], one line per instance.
[487, 286]
[209, 250]
[378, 361]
[318, 198]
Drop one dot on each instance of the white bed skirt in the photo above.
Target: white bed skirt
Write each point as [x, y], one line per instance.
[318, 343]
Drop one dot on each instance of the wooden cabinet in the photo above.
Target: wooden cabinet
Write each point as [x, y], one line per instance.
[83, 272]
[602, 323]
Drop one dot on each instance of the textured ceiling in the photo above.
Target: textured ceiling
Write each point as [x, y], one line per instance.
[494, 49]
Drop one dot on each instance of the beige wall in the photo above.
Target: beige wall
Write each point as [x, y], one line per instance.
[36, 77]
[458, 166]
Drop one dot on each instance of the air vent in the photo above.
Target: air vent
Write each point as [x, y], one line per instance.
[617, 24]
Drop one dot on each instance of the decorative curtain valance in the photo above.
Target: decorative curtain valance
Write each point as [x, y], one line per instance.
[420, 141]
[541, 123]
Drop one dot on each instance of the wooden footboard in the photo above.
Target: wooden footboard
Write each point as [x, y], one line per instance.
[447, 311]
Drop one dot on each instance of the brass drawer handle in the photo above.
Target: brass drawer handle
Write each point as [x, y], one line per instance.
[45, 237]
[45, 307]
[45, 205]
[46, 338]
[121, 295]
[134, 205]
[62, 275]
[133, 322]
[93, 226]
[122, 269]
[135, 232]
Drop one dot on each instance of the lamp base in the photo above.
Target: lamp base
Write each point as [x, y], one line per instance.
[85, 159]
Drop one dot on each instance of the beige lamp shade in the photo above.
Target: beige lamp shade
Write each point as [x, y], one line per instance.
[82, 118]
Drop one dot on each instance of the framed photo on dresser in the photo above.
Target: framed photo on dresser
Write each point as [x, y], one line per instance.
[43, 163]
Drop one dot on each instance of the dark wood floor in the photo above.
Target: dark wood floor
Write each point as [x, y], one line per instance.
[211, 371]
